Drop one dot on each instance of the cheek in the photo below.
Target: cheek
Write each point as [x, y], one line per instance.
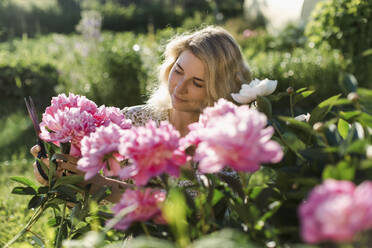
[200, 94]
[171, 81]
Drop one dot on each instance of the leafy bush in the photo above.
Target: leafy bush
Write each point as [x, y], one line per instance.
[346, 25]
[317, 70]
[37, 17]
[109, 70]
[20, 81]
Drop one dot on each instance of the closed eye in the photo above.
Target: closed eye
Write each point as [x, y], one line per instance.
[197, 85]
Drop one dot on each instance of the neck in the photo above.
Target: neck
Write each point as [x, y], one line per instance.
[180, 120]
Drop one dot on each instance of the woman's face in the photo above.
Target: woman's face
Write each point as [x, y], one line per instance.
[187, 86]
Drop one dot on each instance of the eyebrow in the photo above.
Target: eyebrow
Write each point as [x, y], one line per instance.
[199, 79]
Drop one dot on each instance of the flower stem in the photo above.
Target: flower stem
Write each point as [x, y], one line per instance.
[145, 229]
[291, 104]
[285, 143]
[59, 235]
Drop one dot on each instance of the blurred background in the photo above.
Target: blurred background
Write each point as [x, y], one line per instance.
[109, 50]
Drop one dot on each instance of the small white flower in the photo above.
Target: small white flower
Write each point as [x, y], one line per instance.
[249, 92]
[303, 117]
[369, 151]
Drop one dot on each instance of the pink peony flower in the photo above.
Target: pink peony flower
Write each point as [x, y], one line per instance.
[153, 151]
[69, 119]
[61, 102]
[68, 125]
[106, 115]
[336, 211]
[227, 135]
[100, 151]
[222, 107]
[148, 202]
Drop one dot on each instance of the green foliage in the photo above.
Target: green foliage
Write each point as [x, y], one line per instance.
[16, 136]
[37, 17]
[317, 70]
[109, 71]
[20, 81]
[346, 25]
[148, 16]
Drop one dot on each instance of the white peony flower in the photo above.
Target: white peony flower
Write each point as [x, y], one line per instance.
[249, 92]
[303, 117]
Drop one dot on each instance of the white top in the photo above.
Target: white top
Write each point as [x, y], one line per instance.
[141, 114]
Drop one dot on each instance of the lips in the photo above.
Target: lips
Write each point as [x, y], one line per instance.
[178, 99]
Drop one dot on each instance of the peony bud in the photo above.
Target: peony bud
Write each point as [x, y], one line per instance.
[318, 126]
[290, 90]
[353, 96]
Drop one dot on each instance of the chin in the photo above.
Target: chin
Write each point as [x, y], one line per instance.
[185, 108]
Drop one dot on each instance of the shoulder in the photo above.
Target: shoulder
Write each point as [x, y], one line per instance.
[141, 114]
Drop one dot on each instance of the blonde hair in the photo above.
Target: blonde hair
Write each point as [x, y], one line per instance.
[226, 69]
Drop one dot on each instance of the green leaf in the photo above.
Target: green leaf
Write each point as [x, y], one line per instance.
[350, 114]
[101, 194]
[264, 106]
[24, 181]
[329, 102]
[304, 126]
[302, 95]
[322, 109]
[365, 119]
[24, 191]
[274, 206]
[36, 201]
[217, 196]
[38, 241]
[74, 179]
[301, 90]
[359, 147]
[367, 52]
[76, 213]
[44, 167]
[43, 190]
[293, 143]
[53, 222]
[343, 171]
[343, 128]
[365, 99]
[66, 193]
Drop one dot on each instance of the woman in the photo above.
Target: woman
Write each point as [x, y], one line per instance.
[199, 68]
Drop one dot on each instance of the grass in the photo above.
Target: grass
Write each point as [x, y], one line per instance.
[16, 138]
[13, 208]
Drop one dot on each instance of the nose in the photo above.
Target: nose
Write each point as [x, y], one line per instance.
[181, 87]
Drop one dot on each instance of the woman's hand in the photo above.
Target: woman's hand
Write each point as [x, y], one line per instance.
[68, 163]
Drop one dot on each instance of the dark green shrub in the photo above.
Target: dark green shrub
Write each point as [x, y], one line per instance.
[20, 81]
[346, 25]
[37, 17]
